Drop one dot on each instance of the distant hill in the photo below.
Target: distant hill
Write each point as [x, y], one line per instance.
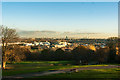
[54, 34]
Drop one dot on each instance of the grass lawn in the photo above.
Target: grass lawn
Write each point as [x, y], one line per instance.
[39, 66]
[29, 66]
[96, 73]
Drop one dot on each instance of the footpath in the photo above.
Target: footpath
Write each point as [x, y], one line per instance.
[60, 71]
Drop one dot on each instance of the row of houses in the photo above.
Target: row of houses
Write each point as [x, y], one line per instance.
[64, 45]
[60, 44]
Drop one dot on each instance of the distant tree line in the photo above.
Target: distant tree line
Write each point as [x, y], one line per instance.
[79, 54]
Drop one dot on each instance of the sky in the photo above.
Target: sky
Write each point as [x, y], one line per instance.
[60, 0]
[98, 17]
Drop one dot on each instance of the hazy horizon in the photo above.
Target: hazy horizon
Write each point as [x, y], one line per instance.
[55, 34]
[82, 17]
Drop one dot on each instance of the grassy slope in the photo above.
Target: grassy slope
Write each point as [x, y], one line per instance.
[99, 73]
[28, 67]
[39, 66]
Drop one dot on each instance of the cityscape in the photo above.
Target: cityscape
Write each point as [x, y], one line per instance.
[55, 40]
[65, 44]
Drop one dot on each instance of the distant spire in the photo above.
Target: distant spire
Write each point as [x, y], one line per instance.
[66, 38]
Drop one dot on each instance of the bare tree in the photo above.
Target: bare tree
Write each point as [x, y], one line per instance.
[8, 52]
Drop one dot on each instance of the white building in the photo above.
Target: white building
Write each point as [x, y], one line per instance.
[36, 43]
[44, 43]
[61, 44]
[28, 44]
[40, 43]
